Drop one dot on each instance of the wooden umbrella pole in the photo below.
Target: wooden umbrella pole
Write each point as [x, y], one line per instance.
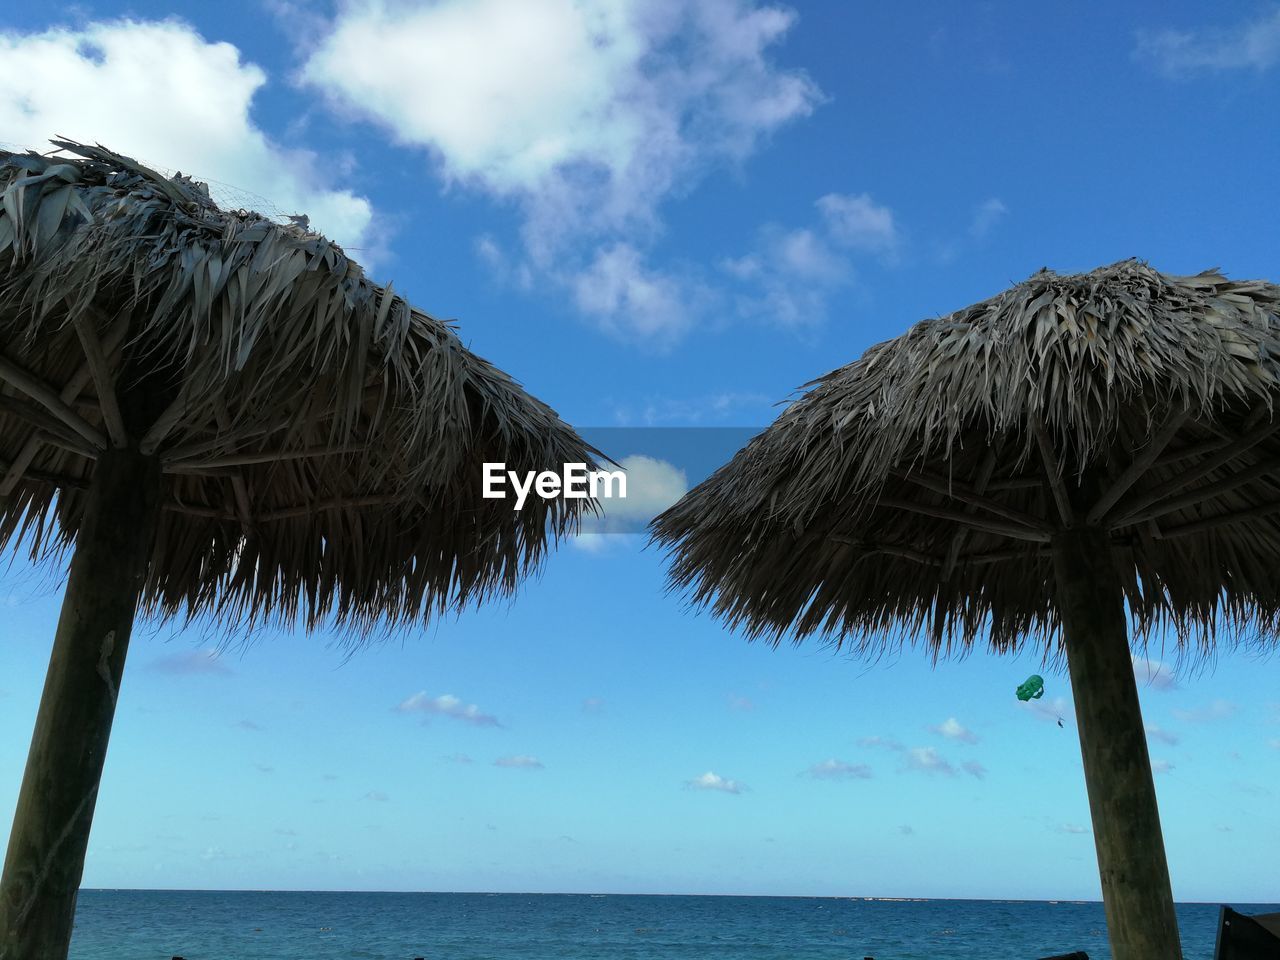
[50, 833]
[1122, 797]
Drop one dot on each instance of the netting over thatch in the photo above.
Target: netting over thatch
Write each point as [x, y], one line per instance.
[321, 438]
[915, 491]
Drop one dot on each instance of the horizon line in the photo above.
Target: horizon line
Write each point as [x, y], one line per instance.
[564, 893]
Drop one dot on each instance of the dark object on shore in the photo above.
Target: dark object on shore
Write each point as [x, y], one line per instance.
[1243, 937]
[1016, 474]
[216, 414]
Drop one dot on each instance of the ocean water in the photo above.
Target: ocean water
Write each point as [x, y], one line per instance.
[142, 924]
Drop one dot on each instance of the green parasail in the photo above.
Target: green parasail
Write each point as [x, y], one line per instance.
[1032, 688]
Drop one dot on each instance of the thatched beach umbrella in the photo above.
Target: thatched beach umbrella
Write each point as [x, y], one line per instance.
[1015, 474]
[216, 414]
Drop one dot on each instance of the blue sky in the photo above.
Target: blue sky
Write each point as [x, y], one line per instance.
[664, 214]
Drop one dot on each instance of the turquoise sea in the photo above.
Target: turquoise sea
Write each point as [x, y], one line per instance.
[210, 925]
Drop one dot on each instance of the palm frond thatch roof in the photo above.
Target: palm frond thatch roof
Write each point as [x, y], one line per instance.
[915, 491]
[321, 438]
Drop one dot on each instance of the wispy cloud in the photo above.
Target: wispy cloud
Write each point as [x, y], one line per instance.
[974, 769]
[1161, 766]
[377, 796]
[907, 830]
[1182, 53]
[708, 408]
[887, 743]
[741, 703]
[834, 769]
[1250, 789]
[593, 705]
[192, 663]
[1073, 828]
[927, 760]
[519, 761]
[447, 705]
[628, 297]
[249, 725]
[985, 217]
[953, 729]
[790, 276]
[1164, 736]
[983, 220]
[1216, 710]
[1154, 673]
[858, 222]
[461, 758]
[715, 782]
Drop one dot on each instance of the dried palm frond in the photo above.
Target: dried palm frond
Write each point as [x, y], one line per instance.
[914, 492]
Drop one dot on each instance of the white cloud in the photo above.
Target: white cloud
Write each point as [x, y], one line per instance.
[740, 703]
[859, 222]
[974, 769]
[788, 279]
[377, 796]
[1252, 45]
[584, 114]
[158, 91]
[713, 781]
[520, 762]
[630, 299]
[953, 729]
[447, 705]
[1073, 828]
[1274, 744]
[990, 212]
[1154, 674]
[1217, 710]
[928, 760]
[1164, 736]
[593, 705]
[839, 770]
[791, 274]
[652, 486]
[604, 105]
[1161, 766]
